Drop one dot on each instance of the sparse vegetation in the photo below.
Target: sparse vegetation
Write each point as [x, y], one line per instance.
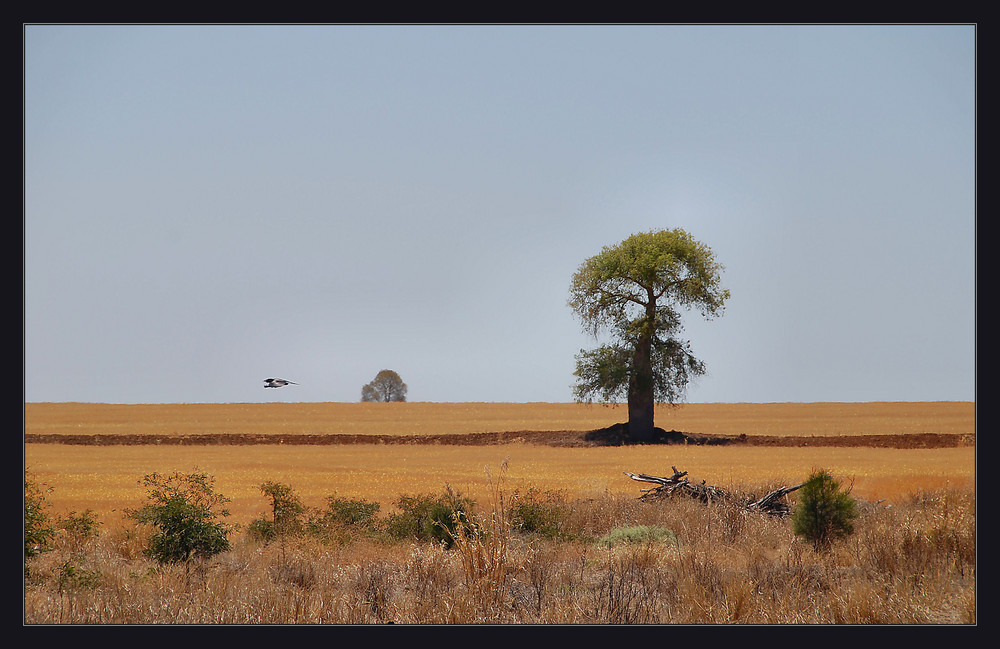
[911, 562]
[79, 528]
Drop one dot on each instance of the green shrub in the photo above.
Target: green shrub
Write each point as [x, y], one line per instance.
[432, 518]
[535, 513]
[184, 509]
[79, 527]
[342, 518]
[261, 530]
[639, 534]
[823, 512]
[71, 577]
[38, 530]
[286, 514]
[344, 511]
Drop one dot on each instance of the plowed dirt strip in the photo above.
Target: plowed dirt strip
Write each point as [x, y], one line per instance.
[547, 438]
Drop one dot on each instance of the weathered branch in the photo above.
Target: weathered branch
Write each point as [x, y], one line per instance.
[772, 503]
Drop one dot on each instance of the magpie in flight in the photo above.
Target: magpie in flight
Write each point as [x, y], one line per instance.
[277, 383]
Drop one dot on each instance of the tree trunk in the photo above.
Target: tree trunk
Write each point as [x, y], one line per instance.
[640, 393]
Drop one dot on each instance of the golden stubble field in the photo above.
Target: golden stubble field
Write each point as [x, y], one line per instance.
[437, 418]
[105, 478]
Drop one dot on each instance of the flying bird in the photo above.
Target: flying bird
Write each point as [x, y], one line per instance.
[277, 383]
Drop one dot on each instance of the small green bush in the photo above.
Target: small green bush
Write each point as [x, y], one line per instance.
[286, 514]
[345, 511]
[639, 534]
[80, 528]
[823, 512]
[38, 529]
[432, 518]
[342, 518]
[72, 577]
[261, 530]
[184, 509]
[536, 513]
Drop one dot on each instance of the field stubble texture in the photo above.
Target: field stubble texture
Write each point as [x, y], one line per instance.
[378, 451]
[901, 425]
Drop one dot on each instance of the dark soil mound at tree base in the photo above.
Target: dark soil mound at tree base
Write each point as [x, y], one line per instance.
[618, 435]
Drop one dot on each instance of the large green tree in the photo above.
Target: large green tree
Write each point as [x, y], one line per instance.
[635, 291]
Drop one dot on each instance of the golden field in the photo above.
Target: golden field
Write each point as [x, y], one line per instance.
[104, 478]
[437, 418]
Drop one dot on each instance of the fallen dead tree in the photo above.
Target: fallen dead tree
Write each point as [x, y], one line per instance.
[773, 503]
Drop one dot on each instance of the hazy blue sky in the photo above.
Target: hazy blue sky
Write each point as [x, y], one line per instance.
[209, 206]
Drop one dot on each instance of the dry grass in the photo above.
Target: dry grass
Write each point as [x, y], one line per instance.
[441, 418]
[913, 563]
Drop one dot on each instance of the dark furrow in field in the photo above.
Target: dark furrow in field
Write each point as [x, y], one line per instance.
[605, 437]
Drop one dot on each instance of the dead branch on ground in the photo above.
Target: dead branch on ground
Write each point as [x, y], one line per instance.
[773, 503]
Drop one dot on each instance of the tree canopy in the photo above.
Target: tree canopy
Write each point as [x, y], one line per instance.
[634, 291]
[385, 387]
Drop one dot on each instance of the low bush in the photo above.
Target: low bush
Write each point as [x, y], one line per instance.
[345, 511]
[823, 512]
[431, 518]
[38, 529]
[537, 513]
[286, 514]
[342, 519]
[183, 509]
[71, 576]
[79, 528]
[639, 534]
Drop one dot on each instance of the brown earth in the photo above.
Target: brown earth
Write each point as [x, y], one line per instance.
[616, 435]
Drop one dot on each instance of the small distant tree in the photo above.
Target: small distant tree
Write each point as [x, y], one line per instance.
[823, 511]
[387, 386]
[184, 509]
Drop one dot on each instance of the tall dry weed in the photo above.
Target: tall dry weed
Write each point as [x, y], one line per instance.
[483, 546]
